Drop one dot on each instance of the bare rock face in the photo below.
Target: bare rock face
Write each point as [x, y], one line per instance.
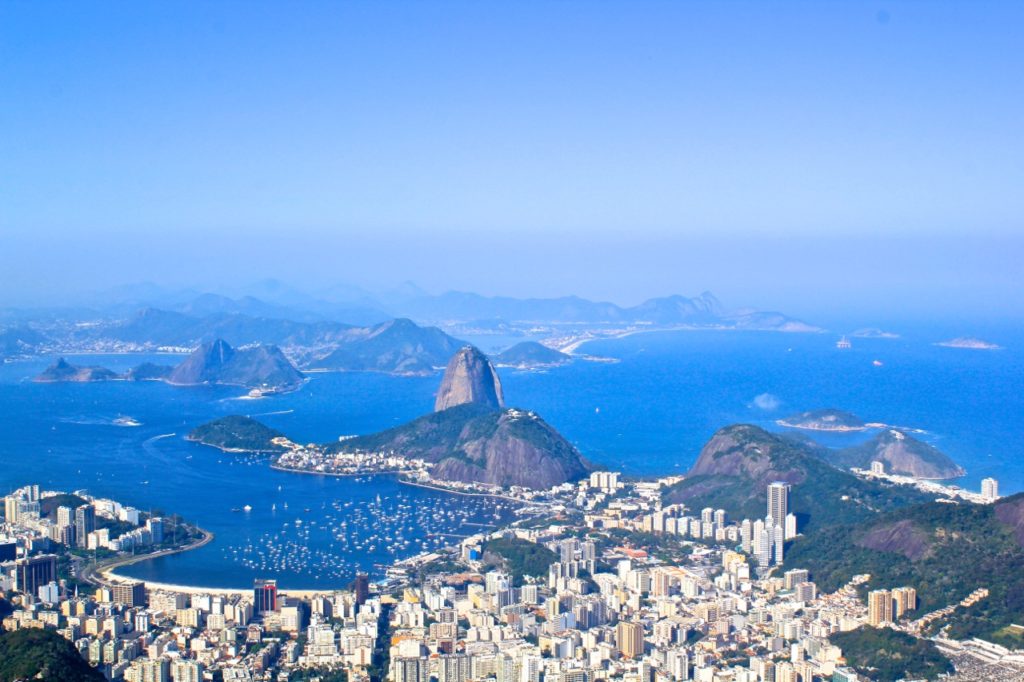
[469, 378]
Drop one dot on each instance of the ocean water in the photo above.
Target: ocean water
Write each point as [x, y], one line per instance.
[647, 414]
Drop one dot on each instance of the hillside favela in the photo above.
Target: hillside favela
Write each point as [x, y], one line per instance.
[453, 341]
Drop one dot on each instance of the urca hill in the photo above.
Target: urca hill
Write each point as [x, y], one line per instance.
[471, 437]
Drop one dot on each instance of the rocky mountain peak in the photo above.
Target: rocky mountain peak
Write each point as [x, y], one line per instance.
[469, 378]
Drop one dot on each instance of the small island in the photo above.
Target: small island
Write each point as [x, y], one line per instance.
[873, 333]
[63, 371]
[970, 343]
[829, 419]
[531, 355]
[237, 433]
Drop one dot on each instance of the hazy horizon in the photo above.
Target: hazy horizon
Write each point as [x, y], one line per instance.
[820, 159]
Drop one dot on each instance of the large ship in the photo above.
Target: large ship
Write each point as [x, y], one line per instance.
[844, 344]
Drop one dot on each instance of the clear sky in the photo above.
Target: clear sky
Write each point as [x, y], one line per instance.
[802, 156]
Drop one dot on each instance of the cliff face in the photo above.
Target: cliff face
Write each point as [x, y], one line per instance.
[512, 448]
[469, 378]
[219, 363]
[902, 454]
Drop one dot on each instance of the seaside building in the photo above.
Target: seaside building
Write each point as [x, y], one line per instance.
[878, 468]
[362, 588]
[130, 594]
[264, 596]
[990, 489]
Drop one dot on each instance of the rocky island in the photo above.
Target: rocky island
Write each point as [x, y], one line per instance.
[970, 343]
[531, 355]
[262, 368]
[824, 420]
[236, 433]
[63, 371]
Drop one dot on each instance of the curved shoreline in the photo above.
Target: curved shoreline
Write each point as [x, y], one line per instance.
[103, 574]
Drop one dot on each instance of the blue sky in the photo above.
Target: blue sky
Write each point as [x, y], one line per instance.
[787, 155]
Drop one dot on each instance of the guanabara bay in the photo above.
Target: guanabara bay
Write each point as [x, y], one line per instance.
[628, 341]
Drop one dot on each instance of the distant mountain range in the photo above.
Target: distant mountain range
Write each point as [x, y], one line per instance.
[347, 328]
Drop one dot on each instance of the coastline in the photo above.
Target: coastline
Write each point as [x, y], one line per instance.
[574, 345]
[105, 575]
[403, 481]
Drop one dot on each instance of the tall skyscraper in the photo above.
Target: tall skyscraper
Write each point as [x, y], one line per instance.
[85, 523]
[990, 489]
[778, 501]
[264, 596]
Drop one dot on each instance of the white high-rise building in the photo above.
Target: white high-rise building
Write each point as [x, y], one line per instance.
[990, 489]
[746, 535]
[877, 468]
[778, 501]
[790, 528]
[779, 538]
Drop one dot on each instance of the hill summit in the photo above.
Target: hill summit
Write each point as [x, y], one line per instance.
[253, 367]
[469, 378]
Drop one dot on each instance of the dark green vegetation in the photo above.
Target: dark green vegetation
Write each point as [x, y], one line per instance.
[853, 526]
[530, 354]
[236, 433]
[945, 551]
[519, 557]
[737, 464]
[901, 453]
[148, 371]
[48, 505]
[42, 654]
[886, 655]
[472, 444]
[829, 419]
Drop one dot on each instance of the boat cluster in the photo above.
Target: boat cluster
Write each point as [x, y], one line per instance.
[332, 542]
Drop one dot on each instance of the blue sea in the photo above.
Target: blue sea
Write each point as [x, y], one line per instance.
[647, 414]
